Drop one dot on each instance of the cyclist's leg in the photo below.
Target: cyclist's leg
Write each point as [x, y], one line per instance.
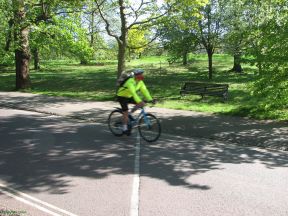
[137, 106]
[124, 106]
[125, 120]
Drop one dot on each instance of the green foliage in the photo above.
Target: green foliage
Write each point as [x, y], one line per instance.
[235, 27]
[72, 38]
[51, 28]
[65, 37]
[137, 40]
[176, 39]
[258, 29]
[211, 24]
[272, 84]
[178, 31]
[6, 56]
[272, 87]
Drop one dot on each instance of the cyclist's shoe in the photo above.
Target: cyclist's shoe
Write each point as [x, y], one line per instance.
[127, 132]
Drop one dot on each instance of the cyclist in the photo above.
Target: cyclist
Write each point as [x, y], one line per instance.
[127, 93]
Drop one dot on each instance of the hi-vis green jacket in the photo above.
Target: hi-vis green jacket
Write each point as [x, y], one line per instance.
[130, 88]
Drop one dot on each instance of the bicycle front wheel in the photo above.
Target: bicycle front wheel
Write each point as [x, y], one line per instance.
[149, 128]
[115, 122]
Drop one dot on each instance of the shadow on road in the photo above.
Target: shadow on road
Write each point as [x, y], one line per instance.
[238, 130]
[218, 127]
[40, 153]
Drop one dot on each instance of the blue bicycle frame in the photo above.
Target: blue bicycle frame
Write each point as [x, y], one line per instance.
[134, 121]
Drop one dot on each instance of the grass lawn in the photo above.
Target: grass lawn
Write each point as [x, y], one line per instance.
[97, 82]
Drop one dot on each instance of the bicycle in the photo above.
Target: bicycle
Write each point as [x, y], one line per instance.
[148, 124]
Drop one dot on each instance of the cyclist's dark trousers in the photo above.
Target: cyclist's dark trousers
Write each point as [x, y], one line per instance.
[124, 102]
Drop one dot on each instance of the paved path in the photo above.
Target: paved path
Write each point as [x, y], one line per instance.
[187, 123]
[64, 166]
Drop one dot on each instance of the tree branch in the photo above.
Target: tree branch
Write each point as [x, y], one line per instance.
[107, 24]
[139, 47]
[148, 20]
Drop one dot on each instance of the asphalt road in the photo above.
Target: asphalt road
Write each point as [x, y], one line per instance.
[51, 165]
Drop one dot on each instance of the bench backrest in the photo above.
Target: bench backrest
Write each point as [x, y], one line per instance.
[201, 85]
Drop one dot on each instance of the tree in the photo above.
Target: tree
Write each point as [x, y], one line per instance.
[121, 16]
[256, 15]
[178, 33]
[22, 51]
[197, 23]
[272, 53]
[92, 21]
[210, 29]
[24, 14]
[235, 31]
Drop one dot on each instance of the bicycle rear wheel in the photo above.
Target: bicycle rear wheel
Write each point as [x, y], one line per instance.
[149, 128]
[115, 122]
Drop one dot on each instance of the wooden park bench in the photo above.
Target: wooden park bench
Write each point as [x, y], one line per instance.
[202, 89]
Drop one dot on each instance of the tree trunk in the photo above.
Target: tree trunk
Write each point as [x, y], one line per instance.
[259, 59]
[22, 69]
[121, 58]
[237, 64]
[122, 40]
[83, 61]
[259, 62]
[36, 59]
[260, 68]
[22, 52]
[210, 63]
[185, 57]
[92, 29]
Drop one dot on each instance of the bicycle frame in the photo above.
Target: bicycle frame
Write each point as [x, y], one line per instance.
[142, 113]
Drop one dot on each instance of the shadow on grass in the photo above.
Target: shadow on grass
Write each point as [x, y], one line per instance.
[257, 112]
[86, 85]
[63, 78]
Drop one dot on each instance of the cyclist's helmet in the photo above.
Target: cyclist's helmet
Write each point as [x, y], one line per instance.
[138, 71]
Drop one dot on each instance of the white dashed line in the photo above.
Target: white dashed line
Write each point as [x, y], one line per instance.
[134, 209]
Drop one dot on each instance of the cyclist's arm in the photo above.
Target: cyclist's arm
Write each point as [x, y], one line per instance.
[133, 92]
[145, 91]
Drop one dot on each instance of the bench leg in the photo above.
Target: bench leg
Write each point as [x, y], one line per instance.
[225, 96]
[202, 96]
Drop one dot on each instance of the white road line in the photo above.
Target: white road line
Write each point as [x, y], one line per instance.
[134, 209]
[29, 203]
[20, 197]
